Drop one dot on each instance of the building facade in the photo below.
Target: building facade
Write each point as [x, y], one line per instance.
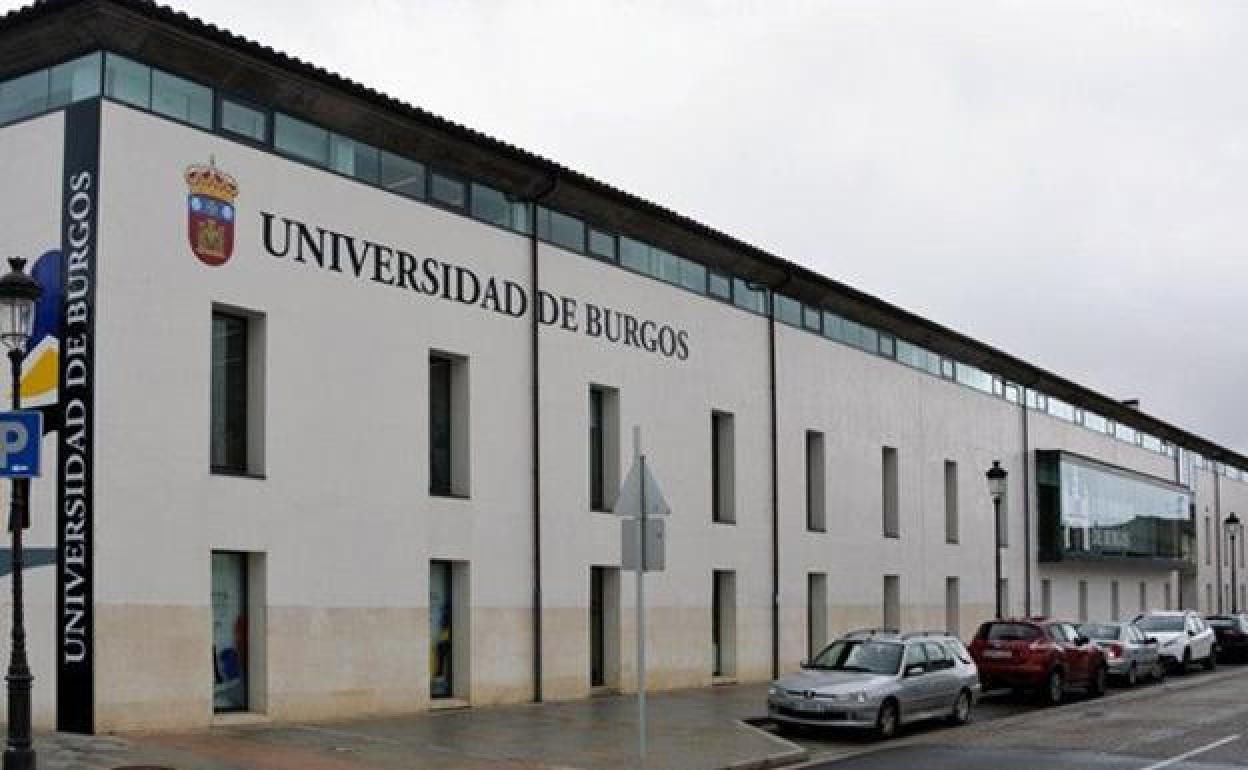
[339, 395]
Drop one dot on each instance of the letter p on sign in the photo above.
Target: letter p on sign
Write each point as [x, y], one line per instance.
[20, 440]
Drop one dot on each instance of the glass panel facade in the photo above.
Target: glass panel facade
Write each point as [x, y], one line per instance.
[347, 156]
[788, 310]
[719, 285]
[490, 205]
[301, 140]
[127, 81]
[754, 300]
[693, 276]
[244, 121]
[602, 244]
[406, 177]
[24, 96]
[635, 255]
[181, 99]
[1089, 510]
[447, 190]
[75, 80]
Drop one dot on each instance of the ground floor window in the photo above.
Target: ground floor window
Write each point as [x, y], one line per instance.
[229, 631]
[441, 630]
[723, 623]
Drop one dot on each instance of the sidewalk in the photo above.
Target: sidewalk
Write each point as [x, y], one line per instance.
[689, 730]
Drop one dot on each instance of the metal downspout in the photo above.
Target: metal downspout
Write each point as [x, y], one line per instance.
[1022, 401]
[536, 391]
[775, 481]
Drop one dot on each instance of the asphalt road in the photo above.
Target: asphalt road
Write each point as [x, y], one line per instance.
[1199, 720]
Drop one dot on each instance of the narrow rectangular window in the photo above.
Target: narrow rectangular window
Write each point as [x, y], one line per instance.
[951, 501]
[237, 392]
[448, 425]
[1209, 598]
[816, 613]
[1083, 601]
[1115, 610]
[74, 80]
[892, 602]
[1143, 596]
[723, 623]
[239, 631]
[22, 96]
[602, 245]
[447, 190]
[604, 447]
[1005, 597]
[301, 140]
[816, 470]
[604, 626]
[403, 176]
[1046, 598]
[242, 120]
[1208, 541]
[953, 606]
[723, 468]
[1166, 594]
[890, 492]
[128, 81]
[181, 99]
[490, 205]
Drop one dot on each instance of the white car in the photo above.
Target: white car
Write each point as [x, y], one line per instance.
[1183, 638]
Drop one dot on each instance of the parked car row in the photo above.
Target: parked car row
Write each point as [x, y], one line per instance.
[880, 679]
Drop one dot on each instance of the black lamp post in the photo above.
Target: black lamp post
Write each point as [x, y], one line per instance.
[996, 476]
[1233, 527]
[18, 295]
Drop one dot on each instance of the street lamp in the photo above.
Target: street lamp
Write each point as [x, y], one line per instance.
[1233, 526]
[18, 295]
[996, 476]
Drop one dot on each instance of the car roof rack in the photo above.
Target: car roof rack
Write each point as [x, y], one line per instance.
[867, 633]
[921, 634]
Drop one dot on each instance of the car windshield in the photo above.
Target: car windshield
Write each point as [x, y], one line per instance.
[1009, 632]
[1161, 623]
[1099, 631]
[863, 655]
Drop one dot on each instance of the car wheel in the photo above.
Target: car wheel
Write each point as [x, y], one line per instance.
[1054, 688]
[1211, 662]
[1159, 671]
[1133, 676]
[961, 709]
[1187, 661]
[1096, 685]
[887, 720]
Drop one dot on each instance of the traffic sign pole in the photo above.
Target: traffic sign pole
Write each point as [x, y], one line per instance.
[641, 603]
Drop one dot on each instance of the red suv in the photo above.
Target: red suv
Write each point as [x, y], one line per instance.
[1038, 654]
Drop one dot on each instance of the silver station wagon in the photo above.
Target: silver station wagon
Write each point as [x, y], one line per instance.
[878, 680]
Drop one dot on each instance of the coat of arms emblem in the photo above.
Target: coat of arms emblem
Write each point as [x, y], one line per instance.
[210, 212]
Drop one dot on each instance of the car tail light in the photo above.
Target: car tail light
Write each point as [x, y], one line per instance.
[1115, 650]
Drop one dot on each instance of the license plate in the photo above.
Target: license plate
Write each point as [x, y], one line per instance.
[996, 653]
[810, 706]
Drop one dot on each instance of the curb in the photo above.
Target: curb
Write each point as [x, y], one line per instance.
[791, 755]
[1186, 682]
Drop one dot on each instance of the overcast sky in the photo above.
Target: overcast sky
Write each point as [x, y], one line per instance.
[1065, 180]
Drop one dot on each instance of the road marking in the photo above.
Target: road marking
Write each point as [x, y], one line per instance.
[1192, 753]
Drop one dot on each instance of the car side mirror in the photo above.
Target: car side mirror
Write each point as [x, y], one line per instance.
[1190, 632]
[915, 671]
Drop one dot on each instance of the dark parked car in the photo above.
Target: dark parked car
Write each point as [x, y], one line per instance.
[1232, 631]
[1038, 654]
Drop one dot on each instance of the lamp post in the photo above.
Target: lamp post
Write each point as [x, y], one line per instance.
[18, 294]
[1233, 527]
[996, 476]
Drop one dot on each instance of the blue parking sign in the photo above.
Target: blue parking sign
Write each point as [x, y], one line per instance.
[21, 435]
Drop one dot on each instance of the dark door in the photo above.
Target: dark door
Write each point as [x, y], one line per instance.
[597, 628]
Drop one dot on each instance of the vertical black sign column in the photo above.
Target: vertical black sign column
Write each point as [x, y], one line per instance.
[75, 660]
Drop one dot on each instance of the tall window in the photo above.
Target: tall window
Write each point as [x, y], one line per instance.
[816, 518]
[1083, 601]
[1115, 608]
[448, 425]
[889, 492]
[603, 447]
[951, 501]
[892, 601]
[1143, 596]
[816, 613]
[1046, 597]
[229, 393]
[723, 468]
[953, 606]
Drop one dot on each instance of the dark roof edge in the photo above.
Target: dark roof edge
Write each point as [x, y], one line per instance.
[892, 317]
